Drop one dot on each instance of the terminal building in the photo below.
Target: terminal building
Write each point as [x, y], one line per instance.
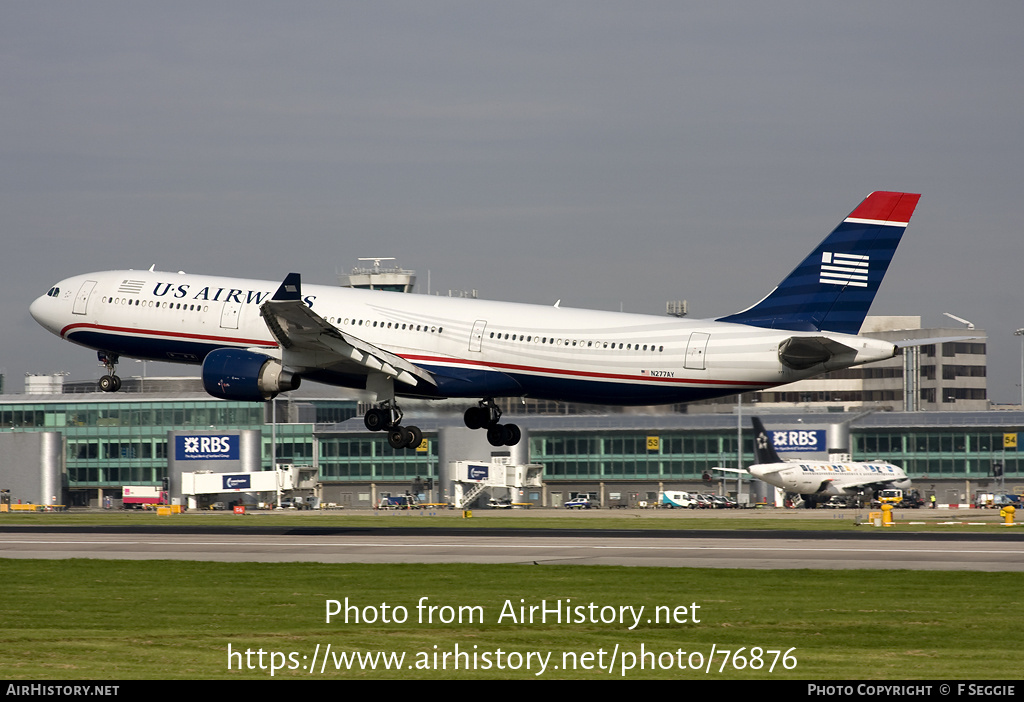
[106, 441]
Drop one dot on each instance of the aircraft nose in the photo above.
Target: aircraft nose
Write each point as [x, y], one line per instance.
[36, 309]
[42, 310]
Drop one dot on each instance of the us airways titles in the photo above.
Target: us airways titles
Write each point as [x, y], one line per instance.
[252, 297]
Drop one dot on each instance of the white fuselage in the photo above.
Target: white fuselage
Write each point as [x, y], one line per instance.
[474, 348]
[809, 477]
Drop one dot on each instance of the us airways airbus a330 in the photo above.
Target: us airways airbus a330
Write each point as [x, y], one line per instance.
[254, 343]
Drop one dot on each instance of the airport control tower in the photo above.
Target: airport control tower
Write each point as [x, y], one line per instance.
[395, 279]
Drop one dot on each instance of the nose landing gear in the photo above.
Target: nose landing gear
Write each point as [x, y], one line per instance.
[109, 382]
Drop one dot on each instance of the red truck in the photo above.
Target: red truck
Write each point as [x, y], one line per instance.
[138, 496]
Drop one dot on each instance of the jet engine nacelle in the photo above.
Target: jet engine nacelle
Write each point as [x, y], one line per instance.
[235, 374]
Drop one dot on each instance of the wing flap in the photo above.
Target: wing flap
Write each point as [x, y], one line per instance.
[299, 329]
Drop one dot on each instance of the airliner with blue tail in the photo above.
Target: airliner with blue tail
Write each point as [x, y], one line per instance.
[817, 481]
[255, 339]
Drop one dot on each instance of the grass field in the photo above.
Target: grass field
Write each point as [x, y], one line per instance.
[94, 620]
[120, 620]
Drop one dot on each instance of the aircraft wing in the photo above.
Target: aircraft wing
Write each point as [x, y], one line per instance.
[730, 470]
[312, 342]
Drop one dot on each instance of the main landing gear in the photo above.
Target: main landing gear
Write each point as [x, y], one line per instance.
[388, 417]
[487, 414]
[109, 382]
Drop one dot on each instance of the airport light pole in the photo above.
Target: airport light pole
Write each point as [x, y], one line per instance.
[739, 449]
[142, 382]
[1020, 333]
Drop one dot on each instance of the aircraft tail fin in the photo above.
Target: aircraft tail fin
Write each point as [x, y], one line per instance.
[764, 450]
[832, 289]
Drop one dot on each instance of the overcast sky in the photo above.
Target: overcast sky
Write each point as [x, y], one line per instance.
[608, 154]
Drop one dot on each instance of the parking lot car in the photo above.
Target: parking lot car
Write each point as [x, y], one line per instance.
[578, 503]
[836, 502]
[705, 502]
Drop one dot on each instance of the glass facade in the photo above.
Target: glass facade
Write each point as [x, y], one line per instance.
[367, 458]
[634, 455]
[950, 453]
[111, 443]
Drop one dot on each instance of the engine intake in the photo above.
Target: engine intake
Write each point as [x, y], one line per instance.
[235, 374]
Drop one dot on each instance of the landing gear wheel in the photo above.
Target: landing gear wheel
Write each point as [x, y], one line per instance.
[486, 414]
[376, 419]
[476, 417]
[496, 435]
[398, 437]
[415, 437]
[504, 435]
[110, 383]
[512, 434]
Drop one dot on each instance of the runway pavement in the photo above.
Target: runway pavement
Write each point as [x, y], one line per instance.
[821, 550]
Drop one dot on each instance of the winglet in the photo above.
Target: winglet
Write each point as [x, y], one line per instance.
[291, 288]
[832, 289]
[764, 450]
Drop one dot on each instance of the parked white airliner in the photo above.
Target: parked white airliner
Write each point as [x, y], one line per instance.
[254, 343]
[815, 480]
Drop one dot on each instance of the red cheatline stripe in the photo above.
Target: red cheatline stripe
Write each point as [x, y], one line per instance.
[584, 374]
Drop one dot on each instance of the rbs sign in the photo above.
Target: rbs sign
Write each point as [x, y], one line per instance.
[205, 447]
[800, 440]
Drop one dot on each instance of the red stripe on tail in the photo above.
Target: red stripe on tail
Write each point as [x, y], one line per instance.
[887, 207]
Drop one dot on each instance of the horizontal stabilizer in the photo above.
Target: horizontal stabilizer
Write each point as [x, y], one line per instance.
[803, 352]
[909, 343]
